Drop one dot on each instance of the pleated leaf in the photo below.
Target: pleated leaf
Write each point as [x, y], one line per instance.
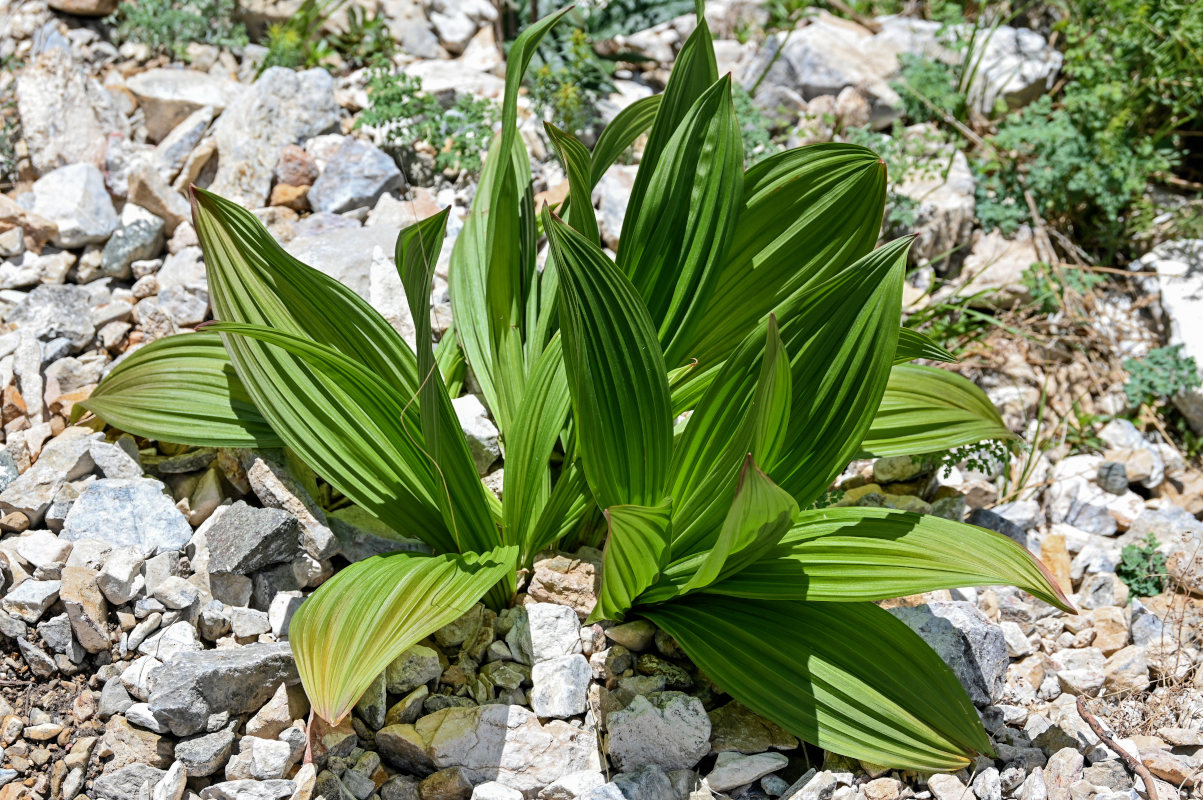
[806, 215]
[374, 610]
[635, 553]
[853, 554]
[462, 501]
[627, 126]
[181, 389]
[378, 463]
[615, 374]
[674, 241]
[847, 677]
[759, 516]
[927, 410]
[575, 158]
[912, 344]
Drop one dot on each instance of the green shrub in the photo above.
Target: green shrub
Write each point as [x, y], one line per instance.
[1142, 568]
[925, 82]
[1160, 375]
[458, 125]
[300, 40]
[754, 298]
[169, 26]
[571, 81]
[1048, 286]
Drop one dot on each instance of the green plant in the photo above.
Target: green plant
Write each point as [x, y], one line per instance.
[1081, 432]
[297, 41]
[1048, 285]
[927, 86]
[1161, 374]
[459, 125]
[570, 82]
[753, 298]
[1142, 568]
[366, 40]
[754, 127]
[169, 26]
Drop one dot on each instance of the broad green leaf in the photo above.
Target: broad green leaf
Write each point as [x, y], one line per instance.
[635, 553]
[840, 368]
[746, 410]
[759, 516]
[181, 389]
[615, 373]
[806, 215]
[462, 499]
[853, 554]
[674, 241]
[451, 361]
[374, 610]
[253, 281]
[694, 71]
[627, 126]
[912, 344]
[575, 158]
[569, 503]
[927, 410]
[529, 445]
[847, 677]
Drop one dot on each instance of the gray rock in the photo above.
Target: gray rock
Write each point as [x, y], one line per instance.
[134, 513]
[31, 599]
[282, 107]
[991, 520]
[124, 783]
[646, 783]
[54, 312]
[75, 198]
[121, 577]
[66, 117]
[1180, 284]
[972, 646]
[247, 539]
[168, 96]
[669, 729]
[344, 253]
[355, 177]
[114, 699]
[559, 686]
[416, 667]
[479, 430]
[41, 664]
[137, 241]
[734, 769]
[1013, 67]
[190, 687]
[1112, 477]
[1080, 671]
[542, 631]
[249, 790]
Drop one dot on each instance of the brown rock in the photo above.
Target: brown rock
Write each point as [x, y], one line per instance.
[446, 784]
[289, 196]
[296, 167]
[1127, 670]
[1110, 629]
[129, 745]
[1170, 767]
[85, 8]
[148, 189]
[735, 728]
[1055, 556]
[86, 608]
[38, 230]
[567, 581]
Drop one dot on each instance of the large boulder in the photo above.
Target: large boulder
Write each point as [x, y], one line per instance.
[282, 107]
[74, 197]
[969, 643]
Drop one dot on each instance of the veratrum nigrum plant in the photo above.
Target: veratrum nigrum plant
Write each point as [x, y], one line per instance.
[752, 299]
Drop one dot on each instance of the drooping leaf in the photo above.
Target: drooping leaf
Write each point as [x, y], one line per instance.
[253, 281]
[848, 677]
[374, 610]
[575, 158]
[181, 389]
[674, 241]
[927, 410]
[635, 553]
[806, 215]
[615, 374]
[912, 344]
[854, 554]
[462, 499]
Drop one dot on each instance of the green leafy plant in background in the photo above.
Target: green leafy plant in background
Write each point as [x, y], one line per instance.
[1142, 568]
[1161, 374]
[753, 298]
[458, 124]
[571, 81]
[1048, 285]
[169, 26]
[303, 40]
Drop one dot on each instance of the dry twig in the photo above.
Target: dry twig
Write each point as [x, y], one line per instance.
[1132, 763]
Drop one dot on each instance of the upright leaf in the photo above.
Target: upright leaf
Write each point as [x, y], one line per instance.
[374, 610]
[927, 410]
[675, 239]
[615, 373]
[635, 553]
[806, 215]
[575, 158]
[181, 389]
[627, 126]
[462, 500]
[847, 677]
